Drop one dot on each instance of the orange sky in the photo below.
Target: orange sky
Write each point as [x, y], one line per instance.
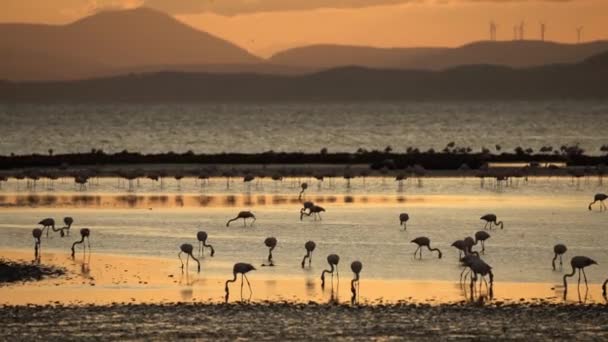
[266, 26]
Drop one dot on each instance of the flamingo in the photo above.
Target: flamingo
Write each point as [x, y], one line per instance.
[202, 243]
[68, 224]
[315, 211]
[422, 242]
[599, 197]
[37, 234]
[356, 267]
[403, 218]
[332, 260]
[84, 233]
[461, 246]
[243, 215]
[578, 262]
[482, 236]
[310, 247]
[47, 224]
[271, 243]
[306, 206]
[304, 187]
[243, 269]
[491, 219]
[558, 249]
[480, 267]
[187, 248]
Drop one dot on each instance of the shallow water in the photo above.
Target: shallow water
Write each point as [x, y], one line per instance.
[254, 128]
[537, 214]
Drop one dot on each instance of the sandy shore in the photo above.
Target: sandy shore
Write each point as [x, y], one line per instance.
[283, 321]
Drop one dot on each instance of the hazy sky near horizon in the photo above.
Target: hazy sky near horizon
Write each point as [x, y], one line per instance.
[266, 26]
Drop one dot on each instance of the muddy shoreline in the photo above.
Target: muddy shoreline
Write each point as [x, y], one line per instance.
[287, 321]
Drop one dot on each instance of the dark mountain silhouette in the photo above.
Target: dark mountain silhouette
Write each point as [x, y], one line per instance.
[107, 41]
[515, 54]
[585, 80]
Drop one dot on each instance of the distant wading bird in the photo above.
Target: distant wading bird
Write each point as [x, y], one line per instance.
[84, 233]
[315, 211]
[461, 246]
[243, 269]
[601, 198]
[306, 206]
[304, 187]
[356, 267]
[243, 215]
[491, 219]
[271, 243]
[47, 224]
[479, 267]
[482, 236]
[424, 242]
[202, 243]
[332, 260]
[558, 249]
[403, 218]
[578, 262]
[187, 248]
[310, 247]
[68, 224]
[37, 234]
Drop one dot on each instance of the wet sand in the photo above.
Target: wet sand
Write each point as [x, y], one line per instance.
[114, 297]
[103, 279]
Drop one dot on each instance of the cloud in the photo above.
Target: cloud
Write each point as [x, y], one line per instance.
[234, 7]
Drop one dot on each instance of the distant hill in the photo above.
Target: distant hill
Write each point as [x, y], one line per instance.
[585, 80]
[107, 41]
[516, 54]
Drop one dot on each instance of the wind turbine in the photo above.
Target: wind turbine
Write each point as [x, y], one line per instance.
[543, 30]
[579, 33]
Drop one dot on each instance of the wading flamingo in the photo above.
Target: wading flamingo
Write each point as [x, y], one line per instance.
[37, 234]
[356, 267]
[68, 221]
[306, 206]
[558, 249]
[480, 267]
[271, 243]
[315, 211]
[84, 233]
[202, 243]
[310, 247]
[304, 187]
[599, 198]
[243, 215]
[578, 262]
[243, 269]
[47, 224]
[423, 241]
[403, 218]
[187, 248]
[482, 236]
[461, 246]
[332, 260]
[491, 219]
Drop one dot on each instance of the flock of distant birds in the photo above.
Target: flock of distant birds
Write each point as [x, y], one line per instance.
[471, 261]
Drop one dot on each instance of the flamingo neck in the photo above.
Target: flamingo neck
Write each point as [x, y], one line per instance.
[569, 275]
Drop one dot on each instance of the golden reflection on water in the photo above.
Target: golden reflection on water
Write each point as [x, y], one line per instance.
[111, 279]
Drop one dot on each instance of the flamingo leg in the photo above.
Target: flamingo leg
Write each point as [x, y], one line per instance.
[579, 277]
[89, 243]
[187, 261]
[584, 275]
[416, 251]
[249, 285]
[242, 276]
[560, 261]
[179, 255]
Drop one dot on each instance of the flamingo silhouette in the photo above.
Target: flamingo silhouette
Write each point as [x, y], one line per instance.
[315, 211]
[480, 267]
[461, 246]
[332, 260]
[482, 236]
[84, 233]
[304, 187]
[47, 224]
[604, 288]
[306, 206]
[599, 197]
[187, 248]
[491, 219]
[310, 247]
[243, 215]
[578, 262]
[243, 269]
[403, 218]
[422, 242]
[356, 267]
[271, 243]
[68, 224]
[202, 243]
[558, 249]
[37, 234]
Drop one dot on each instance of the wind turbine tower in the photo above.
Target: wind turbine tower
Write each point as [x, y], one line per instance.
[543, 30]
[522, 26]
[579, 34]
[492, 30]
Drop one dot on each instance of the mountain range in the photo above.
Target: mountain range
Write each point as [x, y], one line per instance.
[143, 40]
